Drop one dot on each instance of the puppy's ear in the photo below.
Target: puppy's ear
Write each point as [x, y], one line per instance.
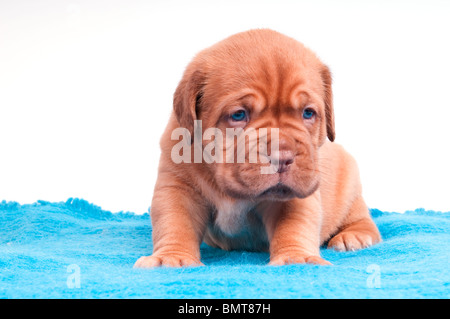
[328, 99]
[187, 98]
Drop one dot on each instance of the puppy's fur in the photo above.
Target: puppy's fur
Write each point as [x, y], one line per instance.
[313, 199]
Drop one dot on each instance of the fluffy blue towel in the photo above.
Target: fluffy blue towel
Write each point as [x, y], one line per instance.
[77, 250]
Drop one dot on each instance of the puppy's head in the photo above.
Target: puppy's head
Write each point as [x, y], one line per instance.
[263, 84]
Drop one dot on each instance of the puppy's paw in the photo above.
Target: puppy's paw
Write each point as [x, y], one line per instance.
[351, 241]
[172, 260]
[288, 259]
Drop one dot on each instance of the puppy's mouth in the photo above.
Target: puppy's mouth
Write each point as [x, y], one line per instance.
[278, 192]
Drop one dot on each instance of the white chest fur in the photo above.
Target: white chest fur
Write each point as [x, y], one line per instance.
[232, 216]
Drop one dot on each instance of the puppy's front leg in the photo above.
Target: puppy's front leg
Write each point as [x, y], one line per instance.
[178, 222]
[294, 232]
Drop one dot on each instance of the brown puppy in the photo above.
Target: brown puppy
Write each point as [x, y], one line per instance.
[253, 80]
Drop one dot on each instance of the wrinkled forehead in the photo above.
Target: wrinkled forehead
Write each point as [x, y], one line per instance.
[264, 81]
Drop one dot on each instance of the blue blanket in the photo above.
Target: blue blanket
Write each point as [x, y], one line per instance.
[74, 249]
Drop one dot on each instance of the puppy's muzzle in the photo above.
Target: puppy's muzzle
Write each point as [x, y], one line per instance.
[282, 160]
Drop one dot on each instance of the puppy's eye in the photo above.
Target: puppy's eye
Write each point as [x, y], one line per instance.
[239, 116]
[308, 113]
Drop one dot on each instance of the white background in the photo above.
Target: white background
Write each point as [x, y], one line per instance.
[86, 90]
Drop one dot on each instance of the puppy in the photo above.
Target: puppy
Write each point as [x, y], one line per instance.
[252, 80]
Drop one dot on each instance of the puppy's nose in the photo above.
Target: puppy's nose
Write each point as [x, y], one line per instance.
[282, 159]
